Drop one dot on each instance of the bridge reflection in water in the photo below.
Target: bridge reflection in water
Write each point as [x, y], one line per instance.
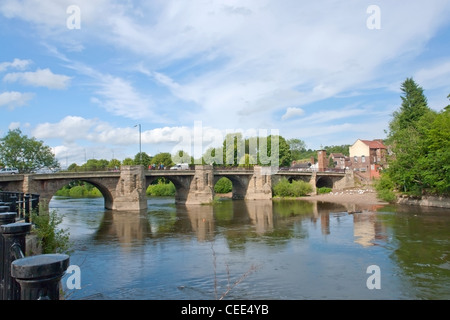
[263, 217]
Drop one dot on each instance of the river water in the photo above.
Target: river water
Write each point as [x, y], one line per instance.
[257, 250]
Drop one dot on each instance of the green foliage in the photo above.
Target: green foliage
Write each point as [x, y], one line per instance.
[419, 138]
[237, 151]
[323, 190]
[182, 157]
[284, 188]
[114, 164]
[223, 185]
[162, 189]
[384, 187]
[79, 189]
[51, 238]
[344, 149]
[128, 162]
[165, 158]
[26, 154]
[297, 147]
[142, 158]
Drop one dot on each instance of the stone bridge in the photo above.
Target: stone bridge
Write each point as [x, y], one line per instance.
[125, 190]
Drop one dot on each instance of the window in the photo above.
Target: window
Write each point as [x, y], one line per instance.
[363, 158]
[355, 159]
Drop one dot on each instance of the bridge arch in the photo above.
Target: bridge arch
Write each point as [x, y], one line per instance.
[239, 185]
[49, 189]
[298, 178]
[326, 182]
[181, 183]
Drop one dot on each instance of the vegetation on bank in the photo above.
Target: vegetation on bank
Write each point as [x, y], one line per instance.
[285, 189]
[79, 189]
[419, 138]
[51, 238]
[163, 188]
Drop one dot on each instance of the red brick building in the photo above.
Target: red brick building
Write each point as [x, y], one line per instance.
[368, 157]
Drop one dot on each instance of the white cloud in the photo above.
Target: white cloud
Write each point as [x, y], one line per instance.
[119, 97]
[13, 99]
[39, 78]
[70, 129]
[292, 112]
[436, 76]
[15, 64]
[14, 125]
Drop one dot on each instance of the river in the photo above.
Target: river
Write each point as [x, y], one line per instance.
[257, 250]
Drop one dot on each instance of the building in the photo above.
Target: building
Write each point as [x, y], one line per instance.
[368, 157]
[339, 160]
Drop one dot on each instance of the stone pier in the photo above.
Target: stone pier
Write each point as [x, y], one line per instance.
[130, 193]
[201, 189]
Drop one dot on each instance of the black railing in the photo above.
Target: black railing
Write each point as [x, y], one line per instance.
[25, 278]
[21, 203]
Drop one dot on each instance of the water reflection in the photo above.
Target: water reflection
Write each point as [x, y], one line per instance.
[125, 227]
[264, 216]
[314, 250]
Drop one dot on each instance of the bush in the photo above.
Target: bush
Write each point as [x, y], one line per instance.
[80, 191]
[284, 188]
[323, 190]
[385, 188]
[161, 189]
[51, 239]
[224, 185]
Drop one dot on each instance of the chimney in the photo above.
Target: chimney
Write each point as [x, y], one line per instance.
[322, 157]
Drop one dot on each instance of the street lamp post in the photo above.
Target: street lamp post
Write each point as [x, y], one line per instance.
[140, 145]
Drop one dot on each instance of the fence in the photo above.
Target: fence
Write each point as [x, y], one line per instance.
[22, 203]
[25, 278]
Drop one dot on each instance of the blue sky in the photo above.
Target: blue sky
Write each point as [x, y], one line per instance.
[190, 71]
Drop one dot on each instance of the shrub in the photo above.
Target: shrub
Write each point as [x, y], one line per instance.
[323, 190]
[224, 185]
[385, 188]
[161, 189]
[284, 188]
[51, 238]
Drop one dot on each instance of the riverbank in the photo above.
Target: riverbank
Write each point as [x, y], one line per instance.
[357, 196]
[369, 197]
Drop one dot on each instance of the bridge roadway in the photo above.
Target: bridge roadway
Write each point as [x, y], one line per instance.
[125, 189]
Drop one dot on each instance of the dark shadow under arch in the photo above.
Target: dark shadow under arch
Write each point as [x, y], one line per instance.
[324, 182]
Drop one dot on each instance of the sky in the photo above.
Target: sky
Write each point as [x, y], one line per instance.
[105, 79]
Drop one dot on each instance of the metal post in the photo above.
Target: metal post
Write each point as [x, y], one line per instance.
[20, 205]
[5, 218]
[39, 276]
[26, 199]
[13, 200]
[14, 246]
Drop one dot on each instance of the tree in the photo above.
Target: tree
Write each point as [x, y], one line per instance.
[414, 106]
[142, 158]
[26, 154]
[420, 141]
[164, 158]
[127, 162]
[114, 164]
[435, 164]
[284, 151]
[182, 156]
[297, 146]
